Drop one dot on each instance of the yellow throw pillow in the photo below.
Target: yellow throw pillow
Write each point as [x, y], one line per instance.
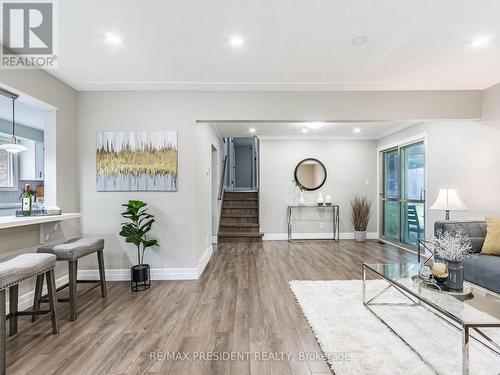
[492, 241]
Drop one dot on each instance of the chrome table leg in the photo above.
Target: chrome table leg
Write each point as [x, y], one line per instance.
[363, 278]
[465, 350]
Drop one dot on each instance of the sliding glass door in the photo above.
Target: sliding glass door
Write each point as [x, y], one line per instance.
[402, 197]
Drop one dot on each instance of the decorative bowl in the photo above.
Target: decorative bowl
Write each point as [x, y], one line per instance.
[440, 279]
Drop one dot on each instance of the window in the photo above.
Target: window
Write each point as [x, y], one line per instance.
[7, 175]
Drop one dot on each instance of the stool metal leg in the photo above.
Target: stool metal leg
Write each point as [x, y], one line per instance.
[102, 274]
[3, 358]
[51, 287]
[13, 308]
[38, 295]
[73, 270]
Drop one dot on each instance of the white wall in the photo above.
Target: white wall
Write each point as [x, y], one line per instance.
[206, 138]
[48, 89]
[179, 225]
[176, 223]
[491, 106]
[464, 155]
[348, 163]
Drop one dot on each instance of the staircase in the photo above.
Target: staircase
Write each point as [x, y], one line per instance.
[239, 221]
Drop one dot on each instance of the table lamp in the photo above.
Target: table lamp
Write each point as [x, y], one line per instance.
[449, 200]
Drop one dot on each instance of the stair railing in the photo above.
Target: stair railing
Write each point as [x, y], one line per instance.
[223, 174]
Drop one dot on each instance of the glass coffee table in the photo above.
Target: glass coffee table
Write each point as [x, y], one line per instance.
[473, 309]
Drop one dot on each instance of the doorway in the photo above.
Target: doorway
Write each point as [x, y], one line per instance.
[243, 159]
[402, 196]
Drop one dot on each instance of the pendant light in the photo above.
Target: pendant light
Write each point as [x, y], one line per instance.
[13, 147]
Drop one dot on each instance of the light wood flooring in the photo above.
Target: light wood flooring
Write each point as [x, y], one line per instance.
[241, 304]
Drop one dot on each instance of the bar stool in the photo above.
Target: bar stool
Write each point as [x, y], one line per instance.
[12, 272]
[70, 252]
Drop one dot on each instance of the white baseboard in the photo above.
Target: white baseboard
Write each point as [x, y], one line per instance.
[191, 273]
[315, 236]
[350, 236]
[214, 240]
[205, 258]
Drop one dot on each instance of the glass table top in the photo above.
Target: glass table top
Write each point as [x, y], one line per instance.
[478, 307]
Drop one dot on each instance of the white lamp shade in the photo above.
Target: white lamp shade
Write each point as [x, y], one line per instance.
[449, 200]
[13, 147]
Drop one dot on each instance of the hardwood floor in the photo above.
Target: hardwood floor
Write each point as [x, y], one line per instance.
[242, 304]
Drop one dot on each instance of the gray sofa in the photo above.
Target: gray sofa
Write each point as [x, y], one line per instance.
[482, 269]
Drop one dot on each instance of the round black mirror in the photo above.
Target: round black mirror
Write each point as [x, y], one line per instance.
[310, 174]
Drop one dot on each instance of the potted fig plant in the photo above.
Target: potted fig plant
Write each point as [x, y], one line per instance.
[361, 208]
[135, 231]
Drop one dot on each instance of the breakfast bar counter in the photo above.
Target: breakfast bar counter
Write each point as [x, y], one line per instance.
[13, 221]
[50, 226]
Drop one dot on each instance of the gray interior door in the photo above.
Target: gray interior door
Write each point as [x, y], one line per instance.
[243, 159]
[242, 171]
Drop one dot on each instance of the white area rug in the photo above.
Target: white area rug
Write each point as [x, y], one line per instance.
[343, 326]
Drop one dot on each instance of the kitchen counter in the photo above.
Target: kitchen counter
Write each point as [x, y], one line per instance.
[13, 221]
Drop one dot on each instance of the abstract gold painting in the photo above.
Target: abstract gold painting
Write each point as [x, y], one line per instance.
[137, 161]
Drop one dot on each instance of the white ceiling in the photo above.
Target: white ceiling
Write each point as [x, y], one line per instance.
[289, 45]
[270, 130]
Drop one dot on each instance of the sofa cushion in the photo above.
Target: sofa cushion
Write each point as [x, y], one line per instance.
[492, 242]
[483, 270]
[475, 229]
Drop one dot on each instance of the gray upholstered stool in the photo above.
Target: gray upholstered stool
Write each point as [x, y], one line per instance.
[70, 252]
[12, 272]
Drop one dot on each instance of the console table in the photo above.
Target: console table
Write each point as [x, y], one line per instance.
[335, 218]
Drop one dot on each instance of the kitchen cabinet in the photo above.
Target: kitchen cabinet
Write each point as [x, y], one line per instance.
[31, 161]
[39, 160]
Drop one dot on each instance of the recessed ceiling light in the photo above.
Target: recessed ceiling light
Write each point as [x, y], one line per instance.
[481, 41]
[357, 130]
[237, 41]
[304, 130]
[314, 125]
[113, 38]
[252, 130]
[359, 40]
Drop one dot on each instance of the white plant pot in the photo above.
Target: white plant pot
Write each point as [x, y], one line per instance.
[360, 236]
[302, 201]
[328, 200]
[320, 200]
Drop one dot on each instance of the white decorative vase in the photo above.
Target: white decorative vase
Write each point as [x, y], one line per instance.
[302, 201]
[320, 200]
[360, 236]
[328, 200]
